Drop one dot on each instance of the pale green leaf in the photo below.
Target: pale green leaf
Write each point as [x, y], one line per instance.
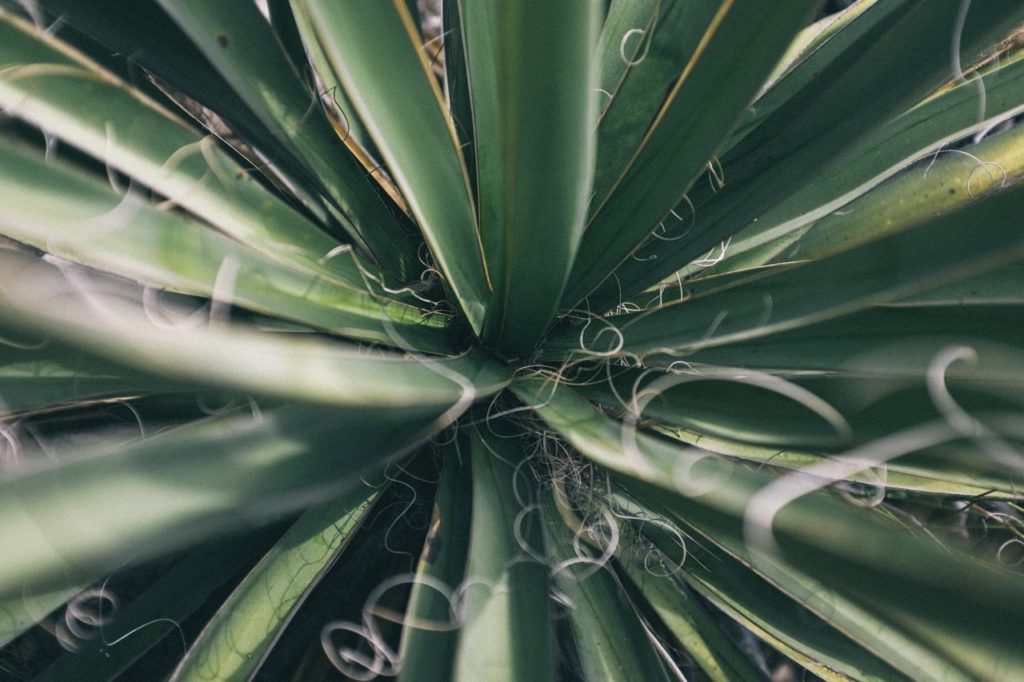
[90, 223]
[239, 636]
[99, 316]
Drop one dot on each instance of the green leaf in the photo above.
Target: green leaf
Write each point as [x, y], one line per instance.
[507, 632]
[694, 476]
[429, 635]
[693, 625]
[601, 439]
[99, 317]
[805, 46]
[368, 231]
[856, 92]
[888, 269]
[237, 639]
[768, 612]
[283, 22]
[338, 105]
[456, 84]
[917, 625]
[90, 223]
[910, 607]
[534, 149]
[813, 49]
[860, 182]
[158, 612]
[957, 179]
[884, 341]
[240, 44]
[680, 137]
[775, 411]
[135, 136]
[644, 48]
[612, 642]
[42, 374]
[406, 116]
[1003, 287]
[763, 418]
[934, 475]
[20, 612]
[187, 484]
[153, 41]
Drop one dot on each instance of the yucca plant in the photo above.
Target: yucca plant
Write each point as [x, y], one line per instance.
[639, 340]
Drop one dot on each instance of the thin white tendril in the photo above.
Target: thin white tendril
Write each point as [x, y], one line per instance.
[764, 505]
[20, 345]
[644, 43]
[711, 259]
[121, 216]
[177, 626]
[384, 660]
[53, 28]
[223, 290]
[35, 13]
[109, 144]
[594, 535]
[646, 37]
[158, 316]
[520, 537]
[984, 166]
[852, 490]
[522, 500]
[409, 504]
[958, 72]
[468, 390]
[84, 616]
[716, 174]
[715, 471]
[335, 252]
[370, 277]
[329, 98]
[214, 162]
[353, 663]
[135, 413]
[50, 143]
[958, 418]
[678, 537]
[620, 340]
[660, 231]
[168, 169]
[993, 125]
[1012, 542]
[12, 452]
[715, 324]
[77, 279]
